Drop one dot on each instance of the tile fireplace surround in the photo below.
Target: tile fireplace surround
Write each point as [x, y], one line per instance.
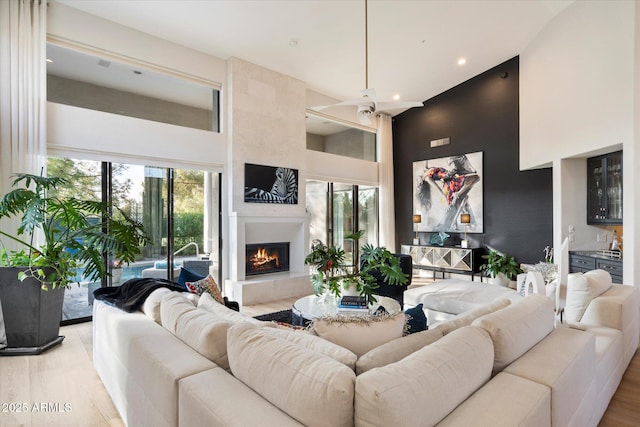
[245, 230]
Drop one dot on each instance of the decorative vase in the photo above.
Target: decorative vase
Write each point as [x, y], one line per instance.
[350, 289]
[501, 279]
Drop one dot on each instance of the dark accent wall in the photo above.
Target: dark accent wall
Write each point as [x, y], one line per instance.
[480, 114]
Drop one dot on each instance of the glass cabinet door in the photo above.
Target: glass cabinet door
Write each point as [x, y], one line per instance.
[614, 187]
[596, 205]
[604, 186]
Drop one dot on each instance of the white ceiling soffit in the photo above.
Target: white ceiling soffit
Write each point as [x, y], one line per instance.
[414, 45]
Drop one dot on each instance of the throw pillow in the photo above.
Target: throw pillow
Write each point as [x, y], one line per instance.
[416, 319]
[209, 285]
[582, 289]
[360, 333]
[188, 276]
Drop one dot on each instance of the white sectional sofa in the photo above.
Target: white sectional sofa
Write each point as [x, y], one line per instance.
[180, 363]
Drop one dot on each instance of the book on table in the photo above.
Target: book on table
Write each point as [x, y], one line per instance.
[357, 301]
[348, 309]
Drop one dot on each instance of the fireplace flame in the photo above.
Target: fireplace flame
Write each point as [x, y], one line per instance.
[262, 257]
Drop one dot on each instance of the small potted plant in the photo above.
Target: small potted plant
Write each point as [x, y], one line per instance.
[74, 234]
[502, 267]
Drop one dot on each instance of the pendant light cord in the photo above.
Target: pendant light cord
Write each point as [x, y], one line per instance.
[366, 44]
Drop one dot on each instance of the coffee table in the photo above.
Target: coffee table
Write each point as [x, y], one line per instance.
[310, 307]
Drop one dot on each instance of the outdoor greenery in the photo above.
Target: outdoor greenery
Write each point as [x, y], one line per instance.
[333, 274]
[130, 195]
[74, 232]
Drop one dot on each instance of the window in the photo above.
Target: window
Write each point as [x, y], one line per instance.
[178, 208]
[335, 211]
[332, 137]
[88, 81]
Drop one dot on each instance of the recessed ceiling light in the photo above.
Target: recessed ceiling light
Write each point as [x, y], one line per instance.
[396, 97]
[49, 60]
[293, 42]
[462, 61]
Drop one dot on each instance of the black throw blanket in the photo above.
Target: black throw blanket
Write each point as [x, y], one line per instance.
[131, 294]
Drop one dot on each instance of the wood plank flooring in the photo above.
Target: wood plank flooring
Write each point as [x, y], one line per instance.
[65, 382]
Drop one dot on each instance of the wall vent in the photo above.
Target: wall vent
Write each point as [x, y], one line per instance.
[439, 142]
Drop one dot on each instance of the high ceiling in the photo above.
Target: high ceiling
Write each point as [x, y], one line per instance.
[414, 45]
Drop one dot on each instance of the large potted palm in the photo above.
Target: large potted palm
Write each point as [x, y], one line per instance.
[75, 235]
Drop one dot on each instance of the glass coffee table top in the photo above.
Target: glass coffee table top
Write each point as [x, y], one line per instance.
[312, 306]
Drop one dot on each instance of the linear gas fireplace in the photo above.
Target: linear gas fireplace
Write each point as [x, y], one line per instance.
[264, 258]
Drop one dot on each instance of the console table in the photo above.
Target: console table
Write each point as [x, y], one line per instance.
[450, 259]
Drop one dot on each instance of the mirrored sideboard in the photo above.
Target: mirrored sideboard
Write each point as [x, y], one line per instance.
[445, 259]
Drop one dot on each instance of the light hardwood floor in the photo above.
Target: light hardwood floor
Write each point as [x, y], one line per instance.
[64, 380]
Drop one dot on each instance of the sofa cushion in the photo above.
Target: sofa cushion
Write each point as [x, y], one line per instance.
[207, 302]
[310, 387]
[506, 400]
[151, 305]
[424, 387]
[396, 349]
[206, 285]
[316, 344]
[206, 333]
[172, 306]
[235, 403]
[565, 362]
[518, 327]
[360, 333]
[582, 289]
[465, 319]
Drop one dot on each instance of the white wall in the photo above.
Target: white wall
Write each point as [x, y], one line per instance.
[577, 86]
[576, 83]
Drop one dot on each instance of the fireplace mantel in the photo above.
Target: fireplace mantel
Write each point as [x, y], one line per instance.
[247, 229]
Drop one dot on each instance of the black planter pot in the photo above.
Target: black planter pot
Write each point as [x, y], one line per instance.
[31, 315]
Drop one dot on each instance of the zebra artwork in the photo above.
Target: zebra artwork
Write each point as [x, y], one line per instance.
[266, 184]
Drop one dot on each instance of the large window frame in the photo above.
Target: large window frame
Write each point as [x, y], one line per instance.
[335, 216]
[78, 306]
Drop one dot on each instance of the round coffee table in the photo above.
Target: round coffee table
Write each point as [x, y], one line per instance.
[310, 307]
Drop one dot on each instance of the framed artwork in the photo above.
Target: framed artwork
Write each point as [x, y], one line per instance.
[269, 184]
[446, 188]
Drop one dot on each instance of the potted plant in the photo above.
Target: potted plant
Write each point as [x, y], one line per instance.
[333, 275]
[501, 267]
[74, 234]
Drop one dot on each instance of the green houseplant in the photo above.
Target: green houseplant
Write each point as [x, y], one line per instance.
[333, 275]
[500, 266]
[74, 234]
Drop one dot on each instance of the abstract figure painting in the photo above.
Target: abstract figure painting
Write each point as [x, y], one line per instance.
[444, 189]
[268, 184]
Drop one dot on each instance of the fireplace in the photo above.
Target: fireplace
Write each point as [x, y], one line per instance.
[265, 258]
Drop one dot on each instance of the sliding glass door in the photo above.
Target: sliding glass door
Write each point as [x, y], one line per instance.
[180, 211]
[339, 209]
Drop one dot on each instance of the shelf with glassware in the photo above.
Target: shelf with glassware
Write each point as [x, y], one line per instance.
[445, 259]
[604, 189]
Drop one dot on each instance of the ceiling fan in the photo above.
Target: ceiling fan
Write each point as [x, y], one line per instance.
[368, 104]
